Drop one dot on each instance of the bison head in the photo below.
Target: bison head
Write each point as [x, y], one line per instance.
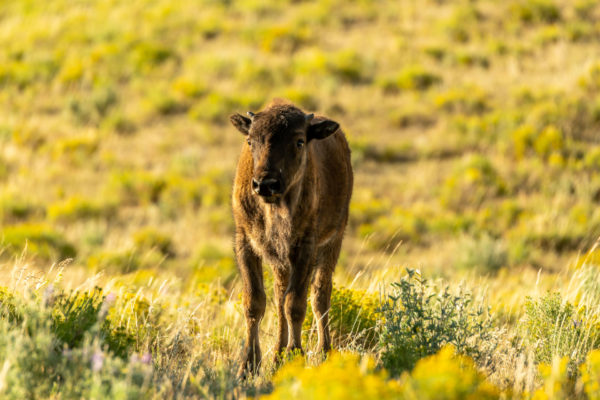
[279, 139]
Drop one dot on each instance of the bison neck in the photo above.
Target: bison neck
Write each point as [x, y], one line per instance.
[286, 223]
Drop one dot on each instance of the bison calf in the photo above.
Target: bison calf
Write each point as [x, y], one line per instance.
[290, 204]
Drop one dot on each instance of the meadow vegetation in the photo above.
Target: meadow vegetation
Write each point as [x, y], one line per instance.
[470, 265]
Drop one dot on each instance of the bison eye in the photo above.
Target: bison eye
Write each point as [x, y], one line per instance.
[249, 142]
[300, 143]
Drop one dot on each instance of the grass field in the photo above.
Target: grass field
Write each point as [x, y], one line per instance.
[470, 267]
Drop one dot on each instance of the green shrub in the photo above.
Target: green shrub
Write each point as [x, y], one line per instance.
[75, 314]
[181, 193]
[497, 47]
[591, 81]
[367, 151]
[135, 188]
[463, 101]
[119, 123]
[212, 263]
[9, 308]
[151, 239]
[210, 190]
[580, 32]
[216, 184]
[147, 55]
[412, 117]
[352, 319]
[470, 59]
[462, 24]
[189, 87]
[94, 107]
[125, 323]
[366, 207]
[213, 107]
[592, 158]
[484, 254]
[72, 71]
[103, 100]
[348, 65]
[556, 328]
[259, 77]
[523, 138]
[77, 150]
[122, 262]
[420, 318]
[549, 141]
[29, 137]
[486, 130]
[15, 208]
[471, 183]
[132, 324]
[437, 52]
[78, 208]
[584, 9]
[410, 78]
[163, 103]
[283, 38]
[548, 35]
[557, 239]
[536, 11]
[56, 350]
[38, 240]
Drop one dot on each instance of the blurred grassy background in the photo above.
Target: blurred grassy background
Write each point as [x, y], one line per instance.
[473, 125]
[474, 133]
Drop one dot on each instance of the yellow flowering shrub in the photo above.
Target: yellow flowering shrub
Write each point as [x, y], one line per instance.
[446, 375]
[342, 376]
[556, 381]
[590, 375]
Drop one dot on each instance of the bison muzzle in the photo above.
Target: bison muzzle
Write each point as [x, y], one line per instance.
[290, 203]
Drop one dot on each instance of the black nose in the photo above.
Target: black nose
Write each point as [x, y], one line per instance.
[266, 187]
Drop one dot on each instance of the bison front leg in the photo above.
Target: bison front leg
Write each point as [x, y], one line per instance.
[282, 279]
[302, 259]
[254, 303]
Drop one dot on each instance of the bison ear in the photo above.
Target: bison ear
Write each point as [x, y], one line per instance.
[322, 129]
[241, 123]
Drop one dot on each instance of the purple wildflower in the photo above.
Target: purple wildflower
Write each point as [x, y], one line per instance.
[48, 297]
[110, 298]
[97, 361]
[147, 358]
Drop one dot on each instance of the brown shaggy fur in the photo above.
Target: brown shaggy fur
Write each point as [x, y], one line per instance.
[297, 230]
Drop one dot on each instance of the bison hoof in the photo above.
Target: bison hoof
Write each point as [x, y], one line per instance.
[250, 365]
[246, 370]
